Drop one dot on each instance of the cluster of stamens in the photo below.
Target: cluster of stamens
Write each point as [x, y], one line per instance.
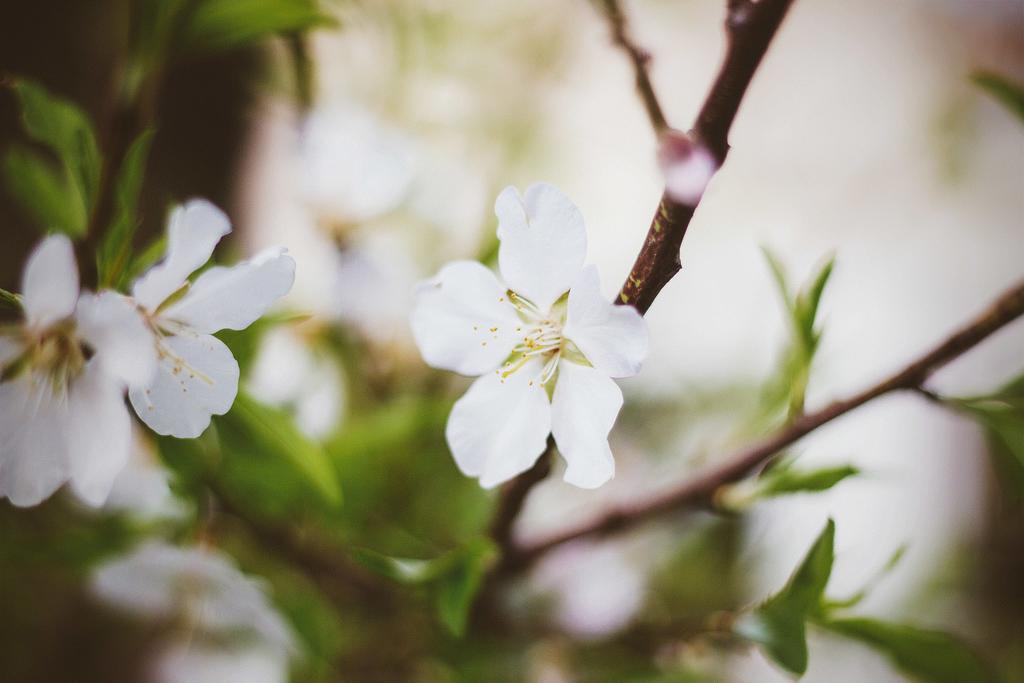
[55, 353]
[542, 338]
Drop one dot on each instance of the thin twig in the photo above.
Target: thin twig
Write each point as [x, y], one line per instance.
[513, 496]
[750, 27]
[699, 489]
[639, 58]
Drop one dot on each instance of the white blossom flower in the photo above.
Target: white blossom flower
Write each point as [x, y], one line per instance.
[355, 166]
[201, 589]
[544, 342]
[64, 371]
[288, 373]
[197, 376]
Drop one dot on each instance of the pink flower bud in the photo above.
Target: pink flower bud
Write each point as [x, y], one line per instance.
[687, 166]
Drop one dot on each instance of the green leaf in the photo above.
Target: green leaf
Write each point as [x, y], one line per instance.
[779, 625]
[459, 586]
[781, 481]
[149, 255]
[455, 577]
[926, 655]
[807, 302]
[115, 250]
[789, 385]
[10, 300]
[1001, 414]
[64, 128]
[869, 585]
[1010, 95]
[253, 434]
[793, 480]
[217, 25]
[44, 192]
[401, 569]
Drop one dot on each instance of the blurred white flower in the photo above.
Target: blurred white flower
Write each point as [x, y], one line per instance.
[64, 370]
[200, 588]
[546, 328]
[197, 377]
[598, 590]
[355, 166]
[143, 486]
[288, 373]
[194, 661]
[375, 279]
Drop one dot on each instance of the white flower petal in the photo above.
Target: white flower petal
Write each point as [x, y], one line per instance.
[233, 298]
[463, 321]
[192, 232]
[49, 287]
[499, 428]
[112, 326]
[160, 580]
[613, 338]
[196, 377]
[99, 434]
[543, 242]
[197, 661]
[583, 410]
[33, 440]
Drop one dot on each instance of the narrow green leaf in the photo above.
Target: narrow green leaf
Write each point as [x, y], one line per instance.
[459, 586]
[926, 655]
[45, 192]
[401, 569]
[149, 255]
[779, 275]
[217, 25]
[64, 128]
[788, 386]
[807, 302]
[10, 299]
[779, 624]
[455, 577]
[1010, 95]
[257, 431]
[793, 481]
[1001, 414]
[115, 250]
[781, 481]
[869, 585]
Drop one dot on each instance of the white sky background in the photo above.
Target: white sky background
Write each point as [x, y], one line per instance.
[836, 149]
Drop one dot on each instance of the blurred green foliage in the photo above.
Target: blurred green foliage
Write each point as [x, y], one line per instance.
[779, 624]
[790, 384]
[1010, 94]
[59, 195]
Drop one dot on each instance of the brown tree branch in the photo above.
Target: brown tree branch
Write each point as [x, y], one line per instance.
[699, 489]
[639, 59]
[513, 495]
[750, 27]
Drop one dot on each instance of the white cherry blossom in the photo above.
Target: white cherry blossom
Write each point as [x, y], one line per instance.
[197, 376]
[543, 341]
[200, 588]
[64, 371]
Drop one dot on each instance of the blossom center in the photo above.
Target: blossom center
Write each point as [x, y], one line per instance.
[55, 352]
[541, 338]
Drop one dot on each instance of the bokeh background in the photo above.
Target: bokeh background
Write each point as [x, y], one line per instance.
[373, 149]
